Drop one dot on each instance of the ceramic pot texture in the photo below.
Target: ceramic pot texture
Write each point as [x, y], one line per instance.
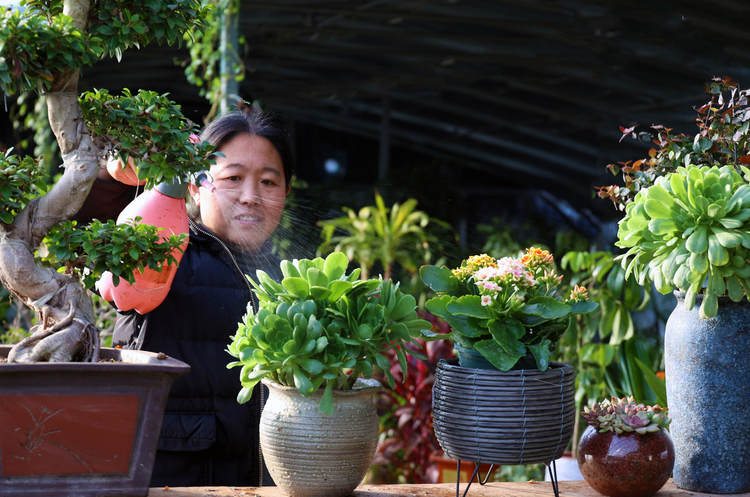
[707, 364]
[626, 465]
[310, 454]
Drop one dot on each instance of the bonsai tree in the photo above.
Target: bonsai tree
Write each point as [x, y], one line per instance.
[45, 259]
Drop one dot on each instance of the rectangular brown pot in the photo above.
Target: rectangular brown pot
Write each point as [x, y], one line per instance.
[82, 429]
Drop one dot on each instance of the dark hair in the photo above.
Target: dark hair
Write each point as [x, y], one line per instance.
[268, 125]
[225, 127]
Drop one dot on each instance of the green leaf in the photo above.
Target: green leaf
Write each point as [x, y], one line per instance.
[542, 353]
[469, 305]
[497, 356]
[717, 253]
[302, 383]
[335, 265]
[505, 336]
[312, 366]
[657, 384]
[316, 277]
[326, 401]
[439, 279]
[338, 288]
[438, 307]
[296, 286]
[320, 293]
[697, 242]
[546, 308]
[405, 306]
[289, 270]
[245, 394]
[583, 307]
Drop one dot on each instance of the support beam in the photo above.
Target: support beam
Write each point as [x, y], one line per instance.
[385, 138]
[230, 59]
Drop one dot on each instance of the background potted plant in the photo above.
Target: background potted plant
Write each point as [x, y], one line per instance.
[505, 310]
[687, 228]
[73, 442]
[315, 340]
[638, 434]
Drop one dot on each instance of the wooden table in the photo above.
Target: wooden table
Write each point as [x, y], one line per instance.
[531, 489]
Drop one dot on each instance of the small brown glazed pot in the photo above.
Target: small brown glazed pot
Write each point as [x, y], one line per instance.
[626, 465]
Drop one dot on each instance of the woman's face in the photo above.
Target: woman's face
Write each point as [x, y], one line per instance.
[250, 192]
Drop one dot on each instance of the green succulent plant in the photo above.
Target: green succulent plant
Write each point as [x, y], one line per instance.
[690, 231]
[626, 416]
[321, 328]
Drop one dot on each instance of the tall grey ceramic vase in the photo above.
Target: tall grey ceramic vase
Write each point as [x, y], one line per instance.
[707, 363]
[310, 454]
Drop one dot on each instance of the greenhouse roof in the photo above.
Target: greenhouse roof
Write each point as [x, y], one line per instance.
[528, 90]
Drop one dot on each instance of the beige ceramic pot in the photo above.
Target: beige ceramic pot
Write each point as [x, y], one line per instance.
[310, 454]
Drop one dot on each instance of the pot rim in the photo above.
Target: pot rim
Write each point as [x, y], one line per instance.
[359, 387]
[699, 297]
[125, 360]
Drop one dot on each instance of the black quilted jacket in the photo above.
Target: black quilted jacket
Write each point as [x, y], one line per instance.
[207, 438]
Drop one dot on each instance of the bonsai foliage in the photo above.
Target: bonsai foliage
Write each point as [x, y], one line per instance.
[505, 309]
[690, 230]
[322, 328]
[52, 36]
[723, 138]
[45, 258]
[625, 416]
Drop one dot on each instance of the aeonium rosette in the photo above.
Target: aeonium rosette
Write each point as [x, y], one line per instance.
[505, 309]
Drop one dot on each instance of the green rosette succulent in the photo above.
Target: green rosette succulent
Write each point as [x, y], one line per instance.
[690, 231]
[626, 416]
[320, 328]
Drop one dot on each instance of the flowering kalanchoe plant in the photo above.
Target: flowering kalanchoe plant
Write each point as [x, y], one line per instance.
[624, 415]
[506, 308]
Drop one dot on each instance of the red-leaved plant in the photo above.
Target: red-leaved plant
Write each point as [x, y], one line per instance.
[407, 437]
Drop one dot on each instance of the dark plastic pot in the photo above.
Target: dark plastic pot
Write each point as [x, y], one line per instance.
[82, 429]
[470, 358]
[707, 366]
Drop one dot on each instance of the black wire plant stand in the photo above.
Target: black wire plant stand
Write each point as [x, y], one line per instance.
[509, 418]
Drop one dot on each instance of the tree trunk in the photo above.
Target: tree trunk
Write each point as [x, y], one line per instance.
[64, 311]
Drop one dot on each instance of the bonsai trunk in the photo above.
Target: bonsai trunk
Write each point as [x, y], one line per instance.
[65, 327]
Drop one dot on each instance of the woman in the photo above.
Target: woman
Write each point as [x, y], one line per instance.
[208, 438]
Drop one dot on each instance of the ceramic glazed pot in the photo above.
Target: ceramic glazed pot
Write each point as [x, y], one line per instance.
[626, 465]
[707, 365]
[310, 454]
[496, 417]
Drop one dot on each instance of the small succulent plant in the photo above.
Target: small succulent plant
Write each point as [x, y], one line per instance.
[625, 415]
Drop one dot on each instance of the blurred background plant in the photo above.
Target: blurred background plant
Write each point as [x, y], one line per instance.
[394, 241]
[407, 439]
[617, 350]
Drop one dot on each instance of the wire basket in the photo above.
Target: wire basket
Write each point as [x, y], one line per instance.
[496, 417]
